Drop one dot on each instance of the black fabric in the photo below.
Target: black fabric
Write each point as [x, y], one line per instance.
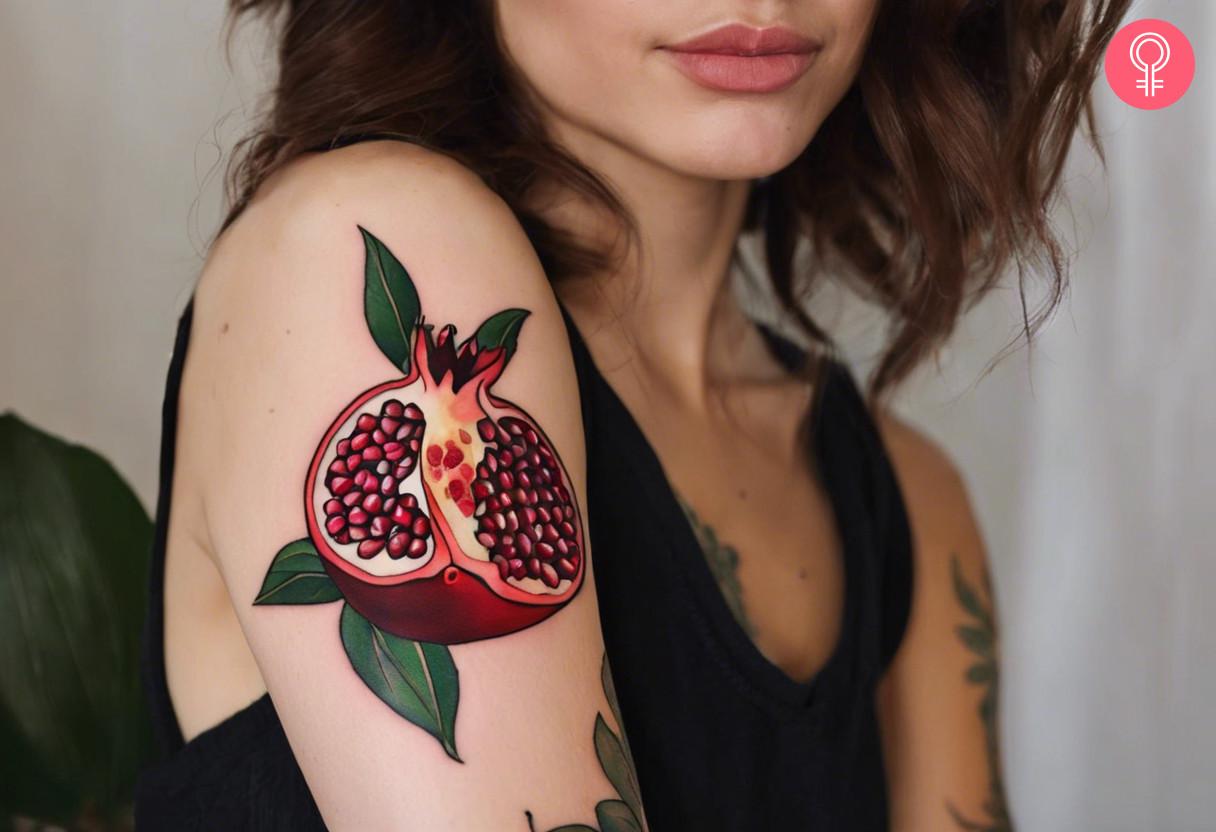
[722, 738]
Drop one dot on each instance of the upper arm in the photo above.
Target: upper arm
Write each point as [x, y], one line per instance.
[416, 692]
[937, 703]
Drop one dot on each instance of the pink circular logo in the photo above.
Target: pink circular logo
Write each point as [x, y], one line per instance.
[1150, 64]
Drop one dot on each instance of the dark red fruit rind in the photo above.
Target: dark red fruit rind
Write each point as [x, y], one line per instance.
[438, 609]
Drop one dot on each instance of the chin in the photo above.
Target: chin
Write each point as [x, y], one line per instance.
[718, 152]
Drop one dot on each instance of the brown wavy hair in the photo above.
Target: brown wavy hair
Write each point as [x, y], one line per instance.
[936, 171]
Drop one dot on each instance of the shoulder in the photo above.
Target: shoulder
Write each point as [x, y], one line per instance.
[429, 203]
[934, 489]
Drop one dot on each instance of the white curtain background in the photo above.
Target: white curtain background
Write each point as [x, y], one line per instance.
[1091, 459]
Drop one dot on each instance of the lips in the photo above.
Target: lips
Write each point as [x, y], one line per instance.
[740, 58]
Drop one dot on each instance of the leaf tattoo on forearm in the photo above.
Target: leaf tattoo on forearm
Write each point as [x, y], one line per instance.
[438, 512]
[978, 635]
[623, 814]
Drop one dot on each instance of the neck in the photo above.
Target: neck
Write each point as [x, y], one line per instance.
[668, 306]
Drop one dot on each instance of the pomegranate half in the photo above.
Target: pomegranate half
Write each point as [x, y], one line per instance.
[441, 511]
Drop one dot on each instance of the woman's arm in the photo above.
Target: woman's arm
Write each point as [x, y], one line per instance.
[454, 698]
[938, 701]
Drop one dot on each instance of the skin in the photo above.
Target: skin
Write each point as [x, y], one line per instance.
[279, 347]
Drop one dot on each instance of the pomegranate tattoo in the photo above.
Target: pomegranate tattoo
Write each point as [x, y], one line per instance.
[437, 510]
[442, 512]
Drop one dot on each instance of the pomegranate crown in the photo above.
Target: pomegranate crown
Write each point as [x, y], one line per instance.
[394, 317]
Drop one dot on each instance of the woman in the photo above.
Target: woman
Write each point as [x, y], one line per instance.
[606, 460]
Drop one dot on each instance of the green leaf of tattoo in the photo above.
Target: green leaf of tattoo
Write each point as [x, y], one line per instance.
[615, 816]
[501, 330]
[415, 679]
[390, 301]
[296, 576]
[616, 765]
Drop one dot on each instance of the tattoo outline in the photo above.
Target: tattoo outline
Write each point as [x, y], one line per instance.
[723, 560]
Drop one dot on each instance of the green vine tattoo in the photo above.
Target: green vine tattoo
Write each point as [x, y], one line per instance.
[723, 560]
[979, 637]
[623, 814]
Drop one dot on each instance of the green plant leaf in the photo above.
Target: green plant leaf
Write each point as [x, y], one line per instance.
[416, 679]
[296, 576]
[390, 301]
[617, 766]
[615, 816]
[74, 553]
[501, 330]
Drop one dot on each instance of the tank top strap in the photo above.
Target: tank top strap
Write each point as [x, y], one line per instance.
[165, 727]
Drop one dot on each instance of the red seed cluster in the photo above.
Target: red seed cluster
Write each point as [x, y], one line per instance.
[364, 479]
[529, 525]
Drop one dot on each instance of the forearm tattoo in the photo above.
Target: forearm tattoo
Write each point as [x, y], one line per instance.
[978, 635]
[624, 812]
[723, 560]
[438, 513]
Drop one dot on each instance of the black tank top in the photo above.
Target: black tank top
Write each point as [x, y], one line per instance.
[722, 738]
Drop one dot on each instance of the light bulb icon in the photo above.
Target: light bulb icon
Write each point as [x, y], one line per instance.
[1150, 83]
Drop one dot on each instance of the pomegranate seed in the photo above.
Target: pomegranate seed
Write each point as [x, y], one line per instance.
[503, 568]
[505, 479]
[464, 436]
[524, 543]
[543, 514]
[566, 568]
[512, 522]
[563, 547]
[352, 499]
[358, 517]
[524, 479]
[333, 507]
[343, 447]
[485, 539]
[370, 548]
[421, 527]
[417, 548]
[499, 521]
[390, 426]
[518, 570]
[467, 507]
[491, 464]
[573, 551]
[434, 454]
[388, 485]
[567, 529]
[505, 459]
[412, 412]
[383, 467]
[456, 489]
[533, 567]
[481, 489]
[335, 524]
[341, 485]
[549, 533]
[357, 532]
[549, 575]
[393, 451]
[401, 514]
[397, 544]
[520, 496]
[403, 471]
[389, 505]
[365, 423]
[393, 408]
[338, 467]
[453, 457]
[372, 454]
[354, 461]
[485, 428]
[372, 503]
[360, 441]
[544, 550]
[410, 501]
[379, 526]
[465, 471]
